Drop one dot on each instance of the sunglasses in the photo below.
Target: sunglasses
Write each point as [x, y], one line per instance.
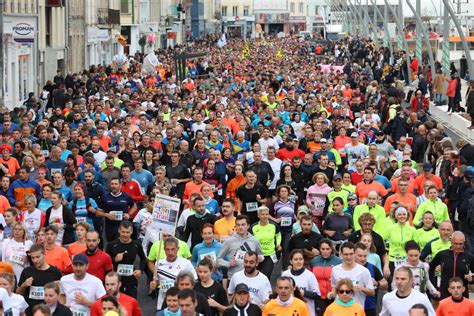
[345, 291]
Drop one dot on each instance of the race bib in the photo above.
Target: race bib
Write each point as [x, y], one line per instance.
[78, 310]
[37, 293]
[213, 187]
[286, 221]
[18, 258]
[252, 206]
[211, 255]
[125, 269]
[319, 204]
[166, 285]
[45, 153]
[118, 216]
[81, 219]
[399, 261]
[239, 255]
[274, 258]
[219, 192]
[240, 157]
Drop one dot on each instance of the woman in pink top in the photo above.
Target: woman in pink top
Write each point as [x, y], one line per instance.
[316, 197]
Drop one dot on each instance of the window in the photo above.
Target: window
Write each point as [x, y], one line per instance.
[125, 7]
[235, 10]
[224, 10]
[316, 10]
[300, 7]
[292, 7]
[48, 20]
[246, 10]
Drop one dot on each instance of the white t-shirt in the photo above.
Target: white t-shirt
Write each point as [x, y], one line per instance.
[56, 217]
[265, 143]
[276, 167]
[354, 153]
[15, 253]
[90, 287]
[143, 219]
[392, 305]
[360, 275]
[32, 222]
[14, 304]
[306, 281]
[198, 127]
[167, 273]
[259, 286]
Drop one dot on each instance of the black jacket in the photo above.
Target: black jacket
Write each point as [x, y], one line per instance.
[451, 267]
[62, 310]
[250, 310]
[69, 221]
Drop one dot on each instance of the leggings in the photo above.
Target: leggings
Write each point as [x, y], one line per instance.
[266, 266]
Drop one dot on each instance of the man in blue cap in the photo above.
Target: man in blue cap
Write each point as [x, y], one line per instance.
[81, 289]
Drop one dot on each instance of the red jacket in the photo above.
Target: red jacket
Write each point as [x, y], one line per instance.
[133, 189]
[415, 104]
[127, 302]
[284, 154]
[451, 90]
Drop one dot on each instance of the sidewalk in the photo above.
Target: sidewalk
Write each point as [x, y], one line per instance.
[455, 121]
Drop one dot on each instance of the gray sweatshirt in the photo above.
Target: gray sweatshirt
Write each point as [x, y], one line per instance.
[235, 247]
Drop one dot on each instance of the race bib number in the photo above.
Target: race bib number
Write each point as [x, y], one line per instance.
[213, 187]
[274, 258]
[166, 285]
[81, 219]
[319, 205]
[252, 206]
[18, 258]
[239, 255]
[78, 310]
[219, 192]
[125, 269]
[118, 216]
[240, 157]
[399, 261]
[211, 255]
[45, 153]
[37, 293]
[285, 221]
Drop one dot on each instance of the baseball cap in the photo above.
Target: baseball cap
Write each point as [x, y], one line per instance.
[406, 158]
[351, 196]
[427, 166]
[337, 176]
[241, 287]
[366, 123]
[380, 133]
[393, 159]
[303, 209]
[289, 138]
[324, 140]
[354, 134]
[80, 258]
[469, 174]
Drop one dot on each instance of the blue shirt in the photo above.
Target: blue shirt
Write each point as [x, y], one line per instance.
[144, 177]
[212, 206]
[201, 250]
[384, 181]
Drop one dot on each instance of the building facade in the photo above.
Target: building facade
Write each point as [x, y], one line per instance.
[19, 52]
[238, 18]
[130, 25]
[76, 36]
[51, 38]
[298, 15]
[272, 15]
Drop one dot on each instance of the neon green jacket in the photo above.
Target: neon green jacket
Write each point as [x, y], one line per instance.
[397, 238]
[378, 212]
[438, 208]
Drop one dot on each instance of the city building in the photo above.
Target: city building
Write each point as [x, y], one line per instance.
[238, 18]
[52, 41]
[130, 27]
[19, 51]
[298, 15]
[76, 36]
[272, 15]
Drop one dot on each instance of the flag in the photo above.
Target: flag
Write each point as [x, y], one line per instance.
[222, 41]
[280, 53]
[245, 51]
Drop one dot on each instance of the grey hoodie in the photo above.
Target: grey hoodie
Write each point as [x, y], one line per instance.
[235, 247]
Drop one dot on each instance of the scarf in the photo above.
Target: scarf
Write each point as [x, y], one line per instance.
[242, 310]
[284, 304]
[170, 313]
[201, 215]
[346, 304]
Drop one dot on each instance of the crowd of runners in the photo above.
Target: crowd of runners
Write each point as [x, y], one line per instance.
[311, 177]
